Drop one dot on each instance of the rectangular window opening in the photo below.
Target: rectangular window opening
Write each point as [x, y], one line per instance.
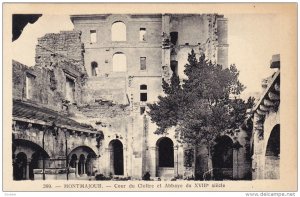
[93, 36]
[142, 34]
[29, 85]
[143, 97]
[70, 90]
[142, 110]
[143, 63]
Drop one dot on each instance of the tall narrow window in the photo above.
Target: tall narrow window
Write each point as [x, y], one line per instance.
[93, 36]
[142, 34]
[118, 31]
[143, 63]
[29, 85]
[94, 67]
[143, 93]
[70, 89]
[119, 62]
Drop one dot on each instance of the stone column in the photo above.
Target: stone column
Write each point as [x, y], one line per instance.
[176, 160]
[76, 167]
[27, 168]
[180, 160]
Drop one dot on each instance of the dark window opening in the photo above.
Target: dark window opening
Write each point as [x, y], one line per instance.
[174, 37]
[143, 63]
[143, 96]
[81, 164]
[94, 66]
[165, 153]
[142, 110]
[70, 89]
[174, 67]
[143, 87]
[187, 44]
[273, 146]
[20, 167]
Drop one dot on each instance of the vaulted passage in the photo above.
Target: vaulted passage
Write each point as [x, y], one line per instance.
[165, 152]
[28, 156]
[272, 161]
[20, 167]
[222, 158]
[82, 159]
[116, 157]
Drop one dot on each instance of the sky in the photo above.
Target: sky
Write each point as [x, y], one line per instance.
[252, 39]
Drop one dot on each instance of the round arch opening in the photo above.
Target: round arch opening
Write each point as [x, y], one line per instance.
[116, 157]
[272, 154]
[222, 158]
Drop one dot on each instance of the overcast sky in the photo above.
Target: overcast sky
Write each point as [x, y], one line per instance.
[252, 39]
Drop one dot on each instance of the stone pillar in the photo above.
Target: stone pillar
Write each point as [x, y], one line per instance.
[153, 161]
[76, 167]
[27, 169]
[176, 167]
[258, 159]
[125, 153]
[235, 164]
[180, 160]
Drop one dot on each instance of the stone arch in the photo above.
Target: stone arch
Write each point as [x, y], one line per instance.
[118, 31]
[165, 149]
[28, 147]
[119, 62]
[222, 158]
[116, 157]
[165, 158]
[36, 157]
[272, 154]
[82, 158]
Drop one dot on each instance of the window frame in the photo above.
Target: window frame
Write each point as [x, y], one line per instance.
[145, 62]
[112, 32]
[143, 29]
[70, 78]
[93, 31]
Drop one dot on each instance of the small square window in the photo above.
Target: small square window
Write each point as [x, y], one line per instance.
[142, 34]
[143, 97]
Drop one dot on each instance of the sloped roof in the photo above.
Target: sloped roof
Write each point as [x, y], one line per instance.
[30, 112]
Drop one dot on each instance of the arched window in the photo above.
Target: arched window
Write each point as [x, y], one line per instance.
[143, 92]
[118, 31]
[94, 67]
[119, 62]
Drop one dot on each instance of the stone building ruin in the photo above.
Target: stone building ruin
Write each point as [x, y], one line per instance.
[81, 110]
